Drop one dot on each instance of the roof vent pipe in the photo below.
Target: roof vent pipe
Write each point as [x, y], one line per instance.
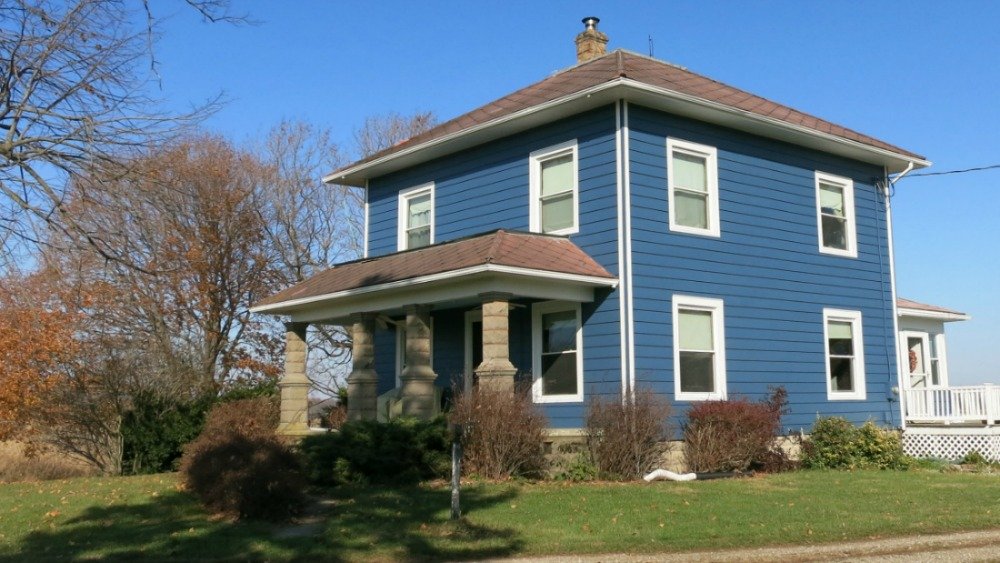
[590, 43]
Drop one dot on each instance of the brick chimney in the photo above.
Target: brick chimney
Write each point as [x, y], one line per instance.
[591, 43]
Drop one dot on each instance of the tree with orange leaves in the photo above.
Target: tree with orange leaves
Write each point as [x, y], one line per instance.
[36, 344]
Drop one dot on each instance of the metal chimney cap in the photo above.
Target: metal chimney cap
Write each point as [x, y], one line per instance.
[590, 22]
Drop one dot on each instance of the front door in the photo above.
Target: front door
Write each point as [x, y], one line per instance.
[473, 346]
[917, 360]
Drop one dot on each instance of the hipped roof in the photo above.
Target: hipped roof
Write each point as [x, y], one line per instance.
[511, 249]
[635, 69]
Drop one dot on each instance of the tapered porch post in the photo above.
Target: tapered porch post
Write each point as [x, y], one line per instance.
[496, 372]
[294, 419]
[418, 376]
[362, 384]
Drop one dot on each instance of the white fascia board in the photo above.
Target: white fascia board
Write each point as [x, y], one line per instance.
[937, 315]
[286, 307]
[637, 92]
[714, 112]
[601, 94]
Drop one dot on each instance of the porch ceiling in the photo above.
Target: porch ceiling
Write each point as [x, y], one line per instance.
[526, 265]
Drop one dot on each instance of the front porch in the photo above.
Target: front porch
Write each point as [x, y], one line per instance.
[950, 422]
[390, 305]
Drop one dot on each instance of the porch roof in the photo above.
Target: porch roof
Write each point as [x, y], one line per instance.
[910, 308]
[499, 260]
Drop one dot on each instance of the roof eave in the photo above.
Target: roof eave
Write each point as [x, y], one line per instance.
[292, 306]
[721, 114]
[355, 175]
[635, 91]
[946, 316]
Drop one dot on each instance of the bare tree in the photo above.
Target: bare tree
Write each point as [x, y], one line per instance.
[74, 100]
[380, 132]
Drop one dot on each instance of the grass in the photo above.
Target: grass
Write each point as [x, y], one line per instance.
[127, 518]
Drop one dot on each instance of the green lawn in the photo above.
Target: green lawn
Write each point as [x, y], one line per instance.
[148, 516]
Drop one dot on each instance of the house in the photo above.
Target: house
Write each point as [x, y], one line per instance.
[622, 224]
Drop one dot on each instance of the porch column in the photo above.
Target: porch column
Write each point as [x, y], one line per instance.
[294, 420]
[362, 383]
[496, 372]
[417, 379]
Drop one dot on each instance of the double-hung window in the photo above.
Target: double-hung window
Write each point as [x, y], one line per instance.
[554, 190]
[835, 215]
[693, 194]
[699, 348]
[845, 359]
[557, 358]
[416, 217]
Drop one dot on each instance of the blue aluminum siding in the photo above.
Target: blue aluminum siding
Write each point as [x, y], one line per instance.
[766, 267]
[486, 188]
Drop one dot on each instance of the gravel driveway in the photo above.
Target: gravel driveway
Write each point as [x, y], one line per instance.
[950, 548]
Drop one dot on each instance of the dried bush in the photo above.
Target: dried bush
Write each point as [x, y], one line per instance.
[238, 467]
[625, 438]
[402, 451]
[18, 463]
[835, 443]
[503, 432]
[735, 434]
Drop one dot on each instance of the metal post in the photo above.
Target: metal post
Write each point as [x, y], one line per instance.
[456, 470]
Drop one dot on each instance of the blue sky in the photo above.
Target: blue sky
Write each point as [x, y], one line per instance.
[921, 75]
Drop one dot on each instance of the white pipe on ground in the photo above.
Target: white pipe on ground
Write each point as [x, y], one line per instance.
[663, 474]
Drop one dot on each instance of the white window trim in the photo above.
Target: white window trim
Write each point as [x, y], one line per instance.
[858, 368]
[535, 160]
[717, 308]
[537, 310]
[852, 235]
[468, 376]
[941, 351]
[404, 197]
[711, 156]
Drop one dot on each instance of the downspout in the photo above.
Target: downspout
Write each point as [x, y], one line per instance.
[889, 185]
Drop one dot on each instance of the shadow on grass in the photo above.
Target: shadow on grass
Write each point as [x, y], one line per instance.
[403, 524]
[413, 524]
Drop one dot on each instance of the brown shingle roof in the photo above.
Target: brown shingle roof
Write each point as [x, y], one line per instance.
[624, 64]
[503, 248]
[908, 304]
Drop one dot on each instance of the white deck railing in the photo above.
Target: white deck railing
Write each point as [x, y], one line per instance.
[979, 404]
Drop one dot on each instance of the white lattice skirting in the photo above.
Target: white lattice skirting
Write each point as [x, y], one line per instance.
[952, 443]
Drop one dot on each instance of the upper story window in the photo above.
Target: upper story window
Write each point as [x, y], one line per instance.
[557, 358]
[835, 215]
[845, 359]
[416, 217]
[693, 193]
[554, 190]
[699, 349]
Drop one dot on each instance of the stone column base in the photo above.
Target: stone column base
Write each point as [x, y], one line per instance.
[294, 408]
[499, 380]
[418, 396]
[362, 395]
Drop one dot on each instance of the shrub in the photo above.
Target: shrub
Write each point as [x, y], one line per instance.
[733, 435]
[503, 432]
[973, 457]
[835, 443]
[625, 438]
[402, 451]
[576, 468]
[156, 428]
[238, 467]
